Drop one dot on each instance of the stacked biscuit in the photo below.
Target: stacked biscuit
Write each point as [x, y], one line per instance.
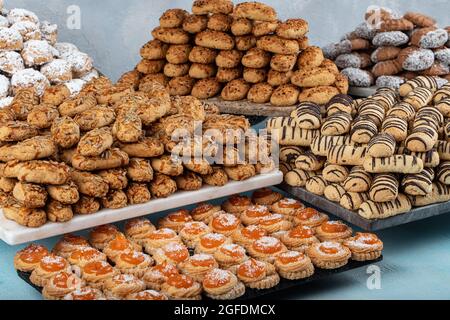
[239, 52]
[31, 56]
[389, 49]
[108, 147]
[382, 155]
[203, 253]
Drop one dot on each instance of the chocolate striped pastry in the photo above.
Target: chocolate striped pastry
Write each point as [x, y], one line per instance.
[322, 144]
[430, 158]
[363, 130]
[309, 161]
[419, 184]
[444, 107]
[375, 210]
[358, 180]
[340, 103]
[447, 132]
[307, 116]
[432, 114]
[294, 136]
[420, 81]
[422, 139]
[440, 193]
[285, 167]
[402, 110]
[442, 93]
[290, 153]
[280, 122]
[387, 97]
[443, 148]
[381, 146]
[395, 164]
[347, 155]
[316, 185]
[443, 173]
[373, 110]
[353, 200]
[334, 192]
[396, 127]
[335, 173]
[337, 124]
[384, 188]
[298, 177]
[419, 97]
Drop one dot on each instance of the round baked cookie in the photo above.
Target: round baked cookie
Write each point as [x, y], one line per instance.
[283, 62]
[310, 57]
[275, 78]
[205, 7]
[29, 30]
[154, 50]
[57, 71]
[255, 11]
[206, 88]
[173, 18]
[245, 43]
[293, 29]
[10, 39]
[226, 75]
[171, 35]
[358, 77]
[260, 93]
[194, 23]
[319, 95]
[220, 22]
[150, 66]
[303, 43]
[235, 90]
[278, 45]
[37, 53]
[29, 78]
[202, 71]
[180, 86]
[253, 75]
[11, 62]
[241, 26]
[202, 55]
[313, 77]
[214, 40]
[264, 28]
[256, 58]
[229, 58]
[178, 53]
[285, 95]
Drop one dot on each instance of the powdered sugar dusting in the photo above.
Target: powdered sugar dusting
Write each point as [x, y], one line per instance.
[201, 257]
[11, 62]
[358, 77]
[420, 59]
[30, 78]
[214, 237]
[219, 275]
[57, 71]
[4, 86]
[75, 86]
[227, 220]
[267, 242]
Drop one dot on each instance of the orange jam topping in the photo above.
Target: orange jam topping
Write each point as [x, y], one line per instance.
[180, 281]
[52, 263]
[176, 252]
[290, 257]
[251, 269]
[253, 232]
[329, 248]
[268, 245]
[271, 220]
[257, 211]
[301, 232]
[180, 216]
[225, 222]
[75, 240]
[240, 201]
[33, 254]
[134, 258]
[120, 243]
[84, 294]
[85, 254]
[138, 223]
[367, 238]
[290, 204]
[306, 214]
[202, 208]
[217, 278]
[262, 193]
[106, 229]
[203, 260]
[162, 234]
[212, 240]
[166, 269]
[61, 280]
[195, 228]
[334, 227]
[233, 250]
[99, 268]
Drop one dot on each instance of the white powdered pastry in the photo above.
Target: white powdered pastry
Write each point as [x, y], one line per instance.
[443, 55]
[419, 60]
[358, 77]
[4, 23]
[267, 242]
[4, 86]
[434, 39]
[65, 49]
[393, 82]
[75, 86]
[37, 52]
[57, 71]
[6, 102]
[333, 50]
[93, 74]
[333, 245]
[49, 32]
[16, 15]
[28, 78]
[348, 60]
[29, 30]
[365, 31]
[11, 62]
[10, 39]
[81, 63]
[393, 38]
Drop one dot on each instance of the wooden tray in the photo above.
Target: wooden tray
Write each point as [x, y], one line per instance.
[251, 294]
[322, 204]
[247, 108]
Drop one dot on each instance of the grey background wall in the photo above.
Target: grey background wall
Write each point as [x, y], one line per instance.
[112, 31]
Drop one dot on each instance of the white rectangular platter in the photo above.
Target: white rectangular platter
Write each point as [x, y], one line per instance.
[14, 234]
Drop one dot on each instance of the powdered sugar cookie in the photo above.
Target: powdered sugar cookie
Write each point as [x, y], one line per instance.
[443, 55]
[393, 38]
[352, 60]
[57, 71]
[4, 23]
[390, 81]
[4, 86]
[11, 62]
[429, 38]
[10, 39]
[81, 63]
[17, 15]
[91, 75]
[358, 77]
[6, 102]
[37, 53]
[416, 59]
[75, 86]
[365, 31]
[28, 30]
[49, 32]
[65, 49]
[28, 78]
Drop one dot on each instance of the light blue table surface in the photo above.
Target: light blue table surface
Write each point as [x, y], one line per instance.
[416, 265]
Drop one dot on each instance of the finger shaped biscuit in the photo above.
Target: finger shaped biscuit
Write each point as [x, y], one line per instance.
[372, 210]
[309, 162]
[229, 58]
[396, 127]
[154, 50]
[384, 188]
[298, 178]
[314, 77]
[255, 11]
[31, 218]
[140, 170]
[30, 195]
[316, 185]
[260, 93]
[346, 155]
[334, 192]
[95, 118]
[278, 45]
[214, 40]
[256, 58]
[293, 29]
[421, 184]
[337, 124]
[66, 194]
[212, 6]
[58, 212]
[128, 127]
[335, 173]
[294, 136]
[42, 116]
[202, 55]
[65, 132]
[89, 184]
[95, 142]
[206, 88]
[236, 90]
[241, 26]
[285, 95]
[72, 107]
[353, 200]
[396, 164]
[382, 146]
[171, 35]
[110, 159]
[14, 131]
[307, 116]
[320, 145]
[173, 18]
[194, 23]
[358, 180]
[43, 172]
[32, 149]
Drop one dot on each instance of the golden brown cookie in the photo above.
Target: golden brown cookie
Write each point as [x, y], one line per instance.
[255, 11]
[264, 28]
[285, 95]
[252, 75]
[195, 23]
[293, 29]
[214, 40]
[220, 22]
[256, 58]
[278, 45]
[313, 77]
[283, 62]
[180, 86]
[260, 93]
[202, 71]
[226, 75]
[241, 26]
[202, 55]
[275, 78]
[212, 6]
[171, 35]
[319, 95]
[310, 58]
[245, 43]
[229, 58]
[206, 88]
[235, 90]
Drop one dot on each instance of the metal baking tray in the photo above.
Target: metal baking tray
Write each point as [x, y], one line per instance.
[322, 204]
[252, 294]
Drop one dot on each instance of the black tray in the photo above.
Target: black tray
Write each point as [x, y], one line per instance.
[352, 217]
[252, 294]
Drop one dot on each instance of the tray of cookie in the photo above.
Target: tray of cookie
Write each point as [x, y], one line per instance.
[246, 248]
[242, 58]
[378, 157]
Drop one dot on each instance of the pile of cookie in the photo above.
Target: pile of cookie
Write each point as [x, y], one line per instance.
[388, 49]
[31, 56]
[108, 147]
[203, 253]
[379, 156]
[239, 52]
